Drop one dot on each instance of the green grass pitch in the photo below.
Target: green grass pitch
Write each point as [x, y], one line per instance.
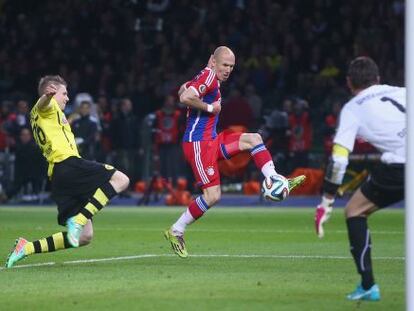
[243, 259]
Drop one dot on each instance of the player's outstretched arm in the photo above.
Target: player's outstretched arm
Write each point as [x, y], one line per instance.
[190, 98]
[323, 213]
[334, 175]
[44, 100]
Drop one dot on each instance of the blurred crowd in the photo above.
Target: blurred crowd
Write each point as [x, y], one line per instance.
[125, 59]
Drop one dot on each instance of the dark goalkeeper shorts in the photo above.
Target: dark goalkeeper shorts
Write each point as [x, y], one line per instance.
[385, 185]
[74, 181]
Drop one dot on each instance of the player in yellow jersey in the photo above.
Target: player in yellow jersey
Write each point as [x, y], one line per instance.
[79, 187]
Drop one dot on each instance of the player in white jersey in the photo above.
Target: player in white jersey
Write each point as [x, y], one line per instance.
[376, 113]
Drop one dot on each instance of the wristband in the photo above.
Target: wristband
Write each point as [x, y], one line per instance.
[210, 108]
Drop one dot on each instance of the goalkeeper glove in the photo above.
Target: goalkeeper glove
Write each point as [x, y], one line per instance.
[322, 214]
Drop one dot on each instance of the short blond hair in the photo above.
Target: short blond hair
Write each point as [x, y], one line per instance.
[45, 81]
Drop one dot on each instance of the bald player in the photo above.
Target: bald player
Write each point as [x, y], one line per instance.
[203, 147]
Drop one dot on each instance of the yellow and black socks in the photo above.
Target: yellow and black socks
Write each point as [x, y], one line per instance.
[52, 243]
[99, 199]
[360, 241]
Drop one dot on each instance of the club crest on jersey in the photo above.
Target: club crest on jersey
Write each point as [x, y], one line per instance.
[64, 120]
[210, 171]
[202, 88]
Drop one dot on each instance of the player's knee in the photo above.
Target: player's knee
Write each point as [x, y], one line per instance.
[212, 198]
[87, 234]
[257, 139]
[86, 238]
[353, 211]
[120, 181]
[254, 139]
[124, 181]
[83, 241]
[359, 206]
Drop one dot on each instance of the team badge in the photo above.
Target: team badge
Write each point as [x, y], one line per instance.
[210, 171]
[202, 88]
[64, 120]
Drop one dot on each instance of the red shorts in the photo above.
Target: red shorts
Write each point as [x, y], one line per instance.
[203, 156]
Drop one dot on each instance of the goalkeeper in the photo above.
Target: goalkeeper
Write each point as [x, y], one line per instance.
[377, 114]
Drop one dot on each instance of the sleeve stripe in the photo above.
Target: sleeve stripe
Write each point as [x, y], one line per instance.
[210, 77]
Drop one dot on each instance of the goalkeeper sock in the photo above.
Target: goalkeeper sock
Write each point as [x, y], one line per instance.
[263, 160]
[360, 241]
[99, 199]
[185, 219]
[52, 243]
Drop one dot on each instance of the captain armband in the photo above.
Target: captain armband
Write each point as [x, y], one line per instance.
[336, 169]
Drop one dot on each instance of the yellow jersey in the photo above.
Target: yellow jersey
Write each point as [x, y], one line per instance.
[53, 134]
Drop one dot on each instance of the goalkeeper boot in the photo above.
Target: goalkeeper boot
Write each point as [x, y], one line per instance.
[74, 231]
[296, 182]
[177, 243]
[17, 253]
[372, 294]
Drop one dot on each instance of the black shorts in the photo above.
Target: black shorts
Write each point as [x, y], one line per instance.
[385, 185]
[74, 181]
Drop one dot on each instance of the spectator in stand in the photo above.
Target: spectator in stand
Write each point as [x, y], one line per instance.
[4, 121]
[330, 70]
[85, 129]
[105, 117]
[274, 133]
[125, 139]
[167, 131]
[18, 120]
[255, 103]
[29, 167]
[331, 122]
[300, 130]
[243, 117]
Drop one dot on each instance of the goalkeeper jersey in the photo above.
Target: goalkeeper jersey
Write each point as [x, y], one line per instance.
[378, 115]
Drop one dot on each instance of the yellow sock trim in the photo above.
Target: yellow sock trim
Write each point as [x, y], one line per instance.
[58, 240]
[91, 208]
[81, 219]
[101, 197]
[29, 248]
[43, 245]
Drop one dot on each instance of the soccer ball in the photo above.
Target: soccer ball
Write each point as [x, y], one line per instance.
[275, 188]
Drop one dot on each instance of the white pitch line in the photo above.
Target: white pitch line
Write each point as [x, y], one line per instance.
[81, 261]
[241, 230]
[311, 230]
[116, 258]
[41, 264]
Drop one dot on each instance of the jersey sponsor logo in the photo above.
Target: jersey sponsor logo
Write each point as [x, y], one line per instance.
[202, 88]
[210, 171]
